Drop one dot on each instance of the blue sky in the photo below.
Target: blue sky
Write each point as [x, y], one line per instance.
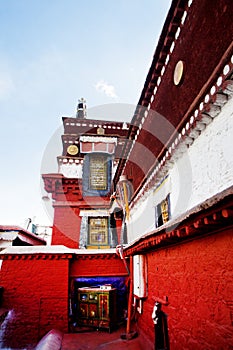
[52, 52]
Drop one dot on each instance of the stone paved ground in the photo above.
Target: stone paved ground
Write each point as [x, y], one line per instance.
[99, 340]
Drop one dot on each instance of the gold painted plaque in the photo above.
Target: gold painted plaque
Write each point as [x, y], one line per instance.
[72, 150]
[178, 72]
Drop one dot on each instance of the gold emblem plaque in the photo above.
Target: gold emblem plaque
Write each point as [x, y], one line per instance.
[72, 150]
[178, 72]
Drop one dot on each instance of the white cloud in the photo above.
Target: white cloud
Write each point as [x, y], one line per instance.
[107, 89]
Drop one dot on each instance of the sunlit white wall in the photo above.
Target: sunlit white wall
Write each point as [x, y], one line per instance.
[203, 171]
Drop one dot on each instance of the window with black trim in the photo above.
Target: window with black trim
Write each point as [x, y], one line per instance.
[97, 174]
[162, 212]
[98, 231]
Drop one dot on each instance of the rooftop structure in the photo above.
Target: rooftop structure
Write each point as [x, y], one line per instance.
[17, 236]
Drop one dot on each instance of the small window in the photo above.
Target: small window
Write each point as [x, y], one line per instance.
[162, 212]
[98, 173]
[98, 231]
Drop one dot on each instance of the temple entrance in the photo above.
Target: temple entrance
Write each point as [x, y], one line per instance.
[97, 302]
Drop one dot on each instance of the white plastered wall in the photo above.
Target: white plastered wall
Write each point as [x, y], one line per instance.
[207, 167]
[203, 171]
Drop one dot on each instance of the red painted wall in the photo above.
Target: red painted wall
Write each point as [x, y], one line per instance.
[198, 281]
[97, 265]
[119, 229]
[36, 292]
[66, 227]
[201, 47]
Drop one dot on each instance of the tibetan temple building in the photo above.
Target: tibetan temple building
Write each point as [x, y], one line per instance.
[82, 190]
[143, 211]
